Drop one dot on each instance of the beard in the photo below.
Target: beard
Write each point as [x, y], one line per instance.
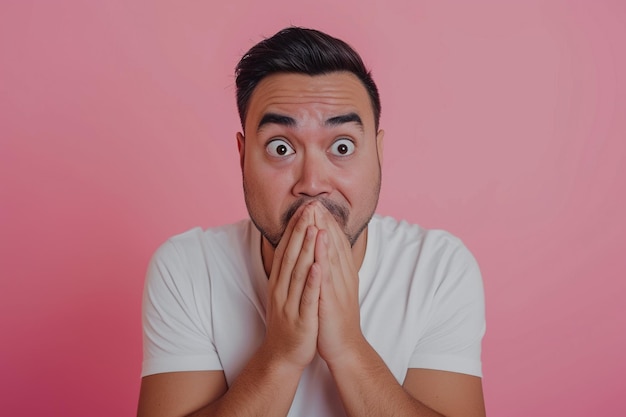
[338, 211]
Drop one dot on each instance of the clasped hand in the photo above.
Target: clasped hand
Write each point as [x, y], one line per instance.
[313, 301]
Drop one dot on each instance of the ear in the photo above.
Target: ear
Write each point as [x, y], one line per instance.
[379, 145]
[241, 142]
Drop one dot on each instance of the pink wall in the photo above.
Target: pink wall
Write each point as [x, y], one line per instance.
[505, 125]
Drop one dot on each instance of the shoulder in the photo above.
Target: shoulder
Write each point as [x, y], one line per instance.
[431, 255]
[400, 235]
[188, 253]
[192, 242]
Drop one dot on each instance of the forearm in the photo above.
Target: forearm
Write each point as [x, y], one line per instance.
[368, 388]
[265, 387]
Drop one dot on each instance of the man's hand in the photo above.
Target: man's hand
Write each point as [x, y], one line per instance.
[339, 314]
[294, 293]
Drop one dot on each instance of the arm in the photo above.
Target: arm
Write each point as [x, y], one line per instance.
[179, 393]
[264, 388]
[371, 389]
[451, 393]
[365, 384]
[268, 383]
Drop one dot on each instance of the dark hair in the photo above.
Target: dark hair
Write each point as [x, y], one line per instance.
[299, 50]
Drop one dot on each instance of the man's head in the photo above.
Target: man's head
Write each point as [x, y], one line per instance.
[310, 113]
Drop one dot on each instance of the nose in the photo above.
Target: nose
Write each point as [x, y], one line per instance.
[313, 178]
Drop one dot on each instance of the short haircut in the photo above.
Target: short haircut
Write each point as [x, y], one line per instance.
[304, 51]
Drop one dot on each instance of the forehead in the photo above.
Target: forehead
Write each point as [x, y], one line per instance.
[301, 95]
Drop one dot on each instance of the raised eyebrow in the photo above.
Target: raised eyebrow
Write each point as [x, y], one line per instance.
[275, 118]
[343, 119]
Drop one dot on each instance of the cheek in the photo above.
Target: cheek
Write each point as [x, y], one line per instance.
[357, 181]
[268, 185]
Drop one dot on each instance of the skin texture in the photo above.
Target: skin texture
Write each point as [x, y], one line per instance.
[311, 174]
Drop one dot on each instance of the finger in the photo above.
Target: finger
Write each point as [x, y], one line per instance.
[309, 302]
[338, 249]
[302, 268]
[289, 256]
[321, 258]
[280, 248]
[327, 221]
[338, 242]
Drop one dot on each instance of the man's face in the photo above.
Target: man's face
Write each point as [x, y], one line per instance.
[310, 138]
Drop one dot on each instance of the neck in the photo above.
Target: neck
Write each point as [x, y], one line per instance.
[358, 252]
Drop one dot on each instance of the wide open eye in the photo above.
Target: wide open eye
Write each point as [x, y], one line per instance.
[279, 148]
[342, 147]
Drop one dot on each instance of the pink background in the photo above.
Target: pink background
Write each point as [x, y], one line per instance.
[505, 124]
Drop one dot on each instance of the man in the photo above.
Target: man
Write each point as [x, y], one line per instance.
[315, 307]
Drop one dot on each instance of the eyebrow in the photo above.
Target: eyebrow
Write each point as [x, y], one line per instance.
[343, 119]
[275, 118]
[281, 119]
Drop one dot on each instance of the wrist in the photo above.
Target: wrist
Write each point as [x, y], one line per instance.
[276, 363]
[352, 356]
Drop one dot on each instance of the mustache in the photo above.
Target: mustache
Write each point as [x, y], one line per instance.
[339, 212]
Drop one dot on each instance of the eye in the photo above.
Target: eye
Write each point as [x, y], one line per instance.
[342, 147]
[279, 148]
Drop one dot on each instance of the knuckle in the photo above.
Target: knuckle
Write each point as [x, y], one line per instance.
[289, 258]
[300, 227]
[294, 275]
[304, 221]
[309, 288]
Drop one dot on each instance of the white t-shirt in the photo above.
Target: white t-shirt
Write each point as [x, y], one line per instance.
[420, 291]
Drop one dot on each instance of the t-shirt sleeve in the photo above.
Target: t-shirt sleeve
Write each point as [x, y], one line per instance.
[456, 324]
[177, 331]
